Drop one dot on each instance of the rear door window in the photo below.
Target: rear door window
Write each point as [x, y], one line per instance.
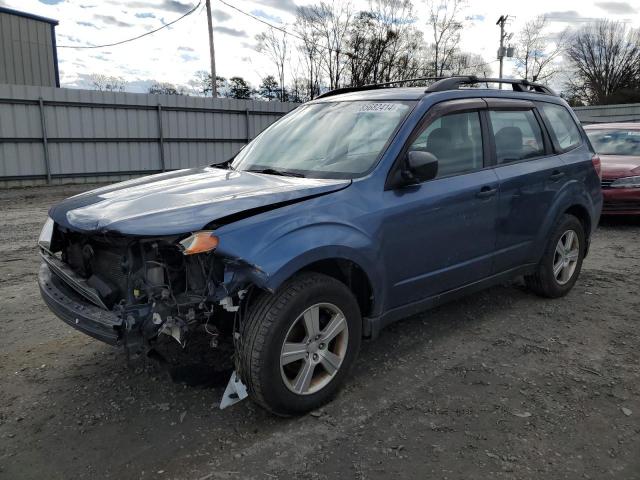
[517, 135]
[455, 140]
[562, 126]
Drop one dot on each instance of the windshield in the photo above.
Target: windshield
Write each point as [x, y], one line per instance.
[325, 140]
[615, 142]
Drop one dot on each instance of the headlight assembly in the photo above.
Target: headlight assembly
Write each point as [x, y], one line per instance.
[199, 242]
[44, 240]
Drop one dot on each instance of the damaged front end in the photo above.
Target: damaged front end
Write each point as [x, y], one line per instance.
[130, 290]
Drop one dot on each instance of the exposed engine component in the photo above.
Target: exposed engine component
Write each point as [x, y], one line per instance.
[158, 286]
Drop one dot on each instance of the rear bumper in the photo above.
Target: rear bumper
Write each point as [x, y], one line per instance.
[77, 312]
[621, 201]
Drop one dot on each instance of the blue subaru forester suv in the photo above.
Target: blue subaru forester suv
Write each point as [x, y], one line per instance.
[355, 210]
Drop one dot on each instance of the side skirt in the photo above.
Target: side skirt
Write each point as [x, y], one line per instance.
[374, 325]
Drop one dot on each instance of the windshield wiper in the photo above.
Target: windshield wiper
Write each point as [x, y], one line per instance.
[273, 171]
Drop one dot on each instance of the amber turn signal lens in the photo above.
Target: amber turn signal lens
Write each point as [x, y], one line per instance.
[199, 242]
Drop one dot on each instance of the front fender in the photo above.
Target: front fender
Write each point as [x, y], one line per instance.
[278, 252]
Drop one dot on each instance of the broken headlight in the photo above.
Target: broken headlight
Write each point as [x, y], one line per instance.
[199, 242]
[44, 240]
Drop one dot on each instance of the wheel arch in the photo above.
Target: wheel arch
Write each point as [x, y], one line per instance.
[581, 213]
[352, 275]
[572, 200]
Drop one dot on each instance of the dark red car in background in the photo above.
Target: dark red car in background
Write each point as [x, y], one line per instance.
[618, 145]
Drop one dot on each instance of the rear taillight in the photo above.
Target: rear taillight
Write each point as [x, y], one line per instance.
[597, 165]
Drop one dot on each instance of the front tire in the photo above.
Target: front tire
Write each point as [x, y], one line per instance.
[298, 344]
[561, 262]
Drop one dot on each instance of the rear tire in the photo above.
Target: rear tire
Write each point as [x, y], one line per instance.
[299, 343]
[561, 262]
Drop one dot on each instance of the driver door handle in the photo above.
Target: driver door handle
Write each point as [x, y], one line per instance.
[486, 192]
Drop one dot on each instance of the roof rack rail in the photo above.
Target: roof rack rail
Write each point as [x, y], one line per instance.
[518, 85]
[448, 83]
[373, 86]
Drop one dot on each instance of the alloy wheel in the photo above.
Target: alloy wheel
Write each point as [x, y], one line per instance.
[314, 348]
[565, 259]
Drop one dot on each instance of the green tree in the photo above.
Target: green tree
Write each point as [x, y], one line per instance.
[269, 88]
[164, 88]
[201, 84]
[239, 88]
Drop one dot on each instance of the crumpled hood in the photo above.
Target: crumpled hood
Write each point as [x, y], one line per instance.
[181, 201]
[616, 166]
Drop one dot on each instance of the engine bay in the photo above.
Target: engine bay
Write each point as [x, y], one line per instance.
[154, 285]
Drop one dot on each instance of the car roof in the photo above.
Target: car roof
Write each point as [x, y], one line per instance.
[613, 126]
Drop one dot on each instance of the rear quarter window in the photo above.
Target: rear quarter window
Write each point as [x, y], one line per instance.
[563, 127]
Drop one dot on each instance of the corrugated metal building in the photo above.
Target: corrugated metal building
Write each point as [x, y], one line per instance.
[28, 49]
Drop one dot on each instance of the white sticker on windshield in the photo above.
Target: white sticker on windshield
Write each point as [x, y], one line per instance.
[379, 107]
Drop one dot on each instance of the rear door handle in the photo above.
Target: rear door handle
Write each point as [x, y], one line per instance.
[486, 192]
[556, 175]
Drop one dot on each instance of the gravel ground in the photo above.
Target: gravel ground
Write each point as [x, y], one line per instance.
[500, 385]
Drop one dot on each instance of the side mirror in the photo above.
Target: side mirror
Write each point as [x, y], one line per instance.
[419, 167]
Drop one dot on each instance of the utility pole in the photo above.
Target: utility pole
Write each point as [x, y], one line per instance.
[501, 51]
[212, 53]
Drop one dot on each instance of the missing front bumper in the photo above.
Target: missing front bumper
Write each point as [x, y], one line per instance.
[77, 312]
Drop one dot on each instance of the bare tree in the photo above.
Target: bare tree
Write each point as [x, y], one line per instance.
[309, 49]
[466, 63]
[405, 56]
[298, 90]
[536, 51]
[274, 45]
[605, 57]
[330, 22]
[107, 83]
[445, 25]
[377, 38]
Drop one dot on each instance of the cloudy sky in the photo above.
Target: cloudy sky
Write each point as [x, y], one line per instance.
[176, 53]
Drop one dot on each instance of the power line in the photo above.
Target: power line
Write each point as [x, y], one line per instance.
[286, 32]
[135, 38]
[318, 45]
[273, 26]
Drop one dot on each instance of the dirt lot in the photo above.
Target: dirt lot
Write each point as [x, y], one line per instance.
[500, 385]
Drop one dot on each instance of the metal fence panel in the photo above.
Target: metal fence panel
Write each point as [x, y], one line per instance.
[58, 135]
[609, 113]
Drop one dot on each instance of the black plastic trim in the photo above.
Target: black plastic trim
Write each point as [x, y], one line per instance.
[517, 85]
[375, 324]
[67, 305]
[72, 279]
